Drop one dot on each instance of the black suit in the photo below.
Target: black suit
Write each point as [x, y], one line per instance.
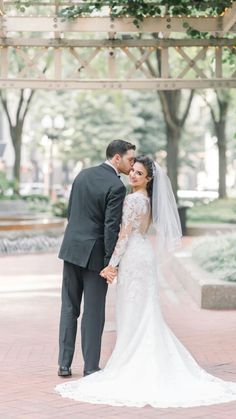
[94, 216]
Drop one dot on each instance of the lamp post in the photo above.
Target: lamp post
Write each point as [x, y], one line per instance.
[52, 126]
[2, 149]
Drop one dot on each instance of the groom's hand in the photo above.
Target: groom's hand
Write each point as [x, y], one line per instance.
[109, 273]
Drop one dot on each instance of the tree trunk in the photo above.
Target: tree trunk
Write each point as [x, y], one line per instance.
[66, 172]
[16, 128]
[221, 143]
[173, 137]
[220, 132]
[171, 104]
[16, 135]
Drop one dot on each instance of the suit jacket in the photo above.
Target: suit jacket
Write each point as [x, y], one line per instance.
[94, 216]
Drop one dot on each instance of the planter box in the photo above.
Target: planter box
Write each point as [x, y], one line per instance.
[206, 289]
[201, 229]
[14, 206]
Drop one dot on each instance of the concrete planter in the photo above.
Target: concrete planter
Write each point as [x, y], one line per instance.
[206, 289]
[202, 229]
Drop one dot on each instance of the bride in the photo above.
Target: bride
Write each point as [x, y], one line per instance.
[149, 365]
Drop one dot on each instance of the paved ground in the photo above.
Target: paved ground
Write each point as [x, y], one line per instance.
[29, 312]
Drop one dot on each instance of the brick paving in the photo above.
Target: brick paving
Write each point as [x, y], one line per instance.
[29, 314]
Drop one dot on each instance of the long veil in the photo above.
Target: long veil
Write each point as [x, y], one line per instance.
[165, 216]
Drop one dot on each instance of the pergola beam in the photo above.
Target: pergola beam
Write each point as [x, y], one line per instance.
[115, 43]
[165, 24]
[147, 84]
[42, 44]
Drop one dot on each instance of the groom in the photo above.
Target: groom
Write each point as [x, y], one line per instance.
[94, 216]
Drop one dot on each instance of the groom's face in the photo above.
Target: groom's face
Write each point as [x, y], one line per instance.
[126, 162]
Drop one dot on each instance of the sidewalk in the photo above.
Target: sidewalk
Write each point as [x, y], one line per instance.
[29, 314]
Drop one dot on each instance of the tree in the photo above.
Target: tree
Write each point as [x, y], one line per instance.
[175, 110]
[218, 111]
[16, 124]
[93, 119]
[171, 101]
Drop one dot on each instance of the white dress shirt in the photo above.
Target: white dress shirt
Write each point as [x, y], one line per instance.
[113, 167]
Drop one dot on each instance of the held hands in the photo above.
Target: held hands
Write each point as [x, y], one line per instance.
[109, 273]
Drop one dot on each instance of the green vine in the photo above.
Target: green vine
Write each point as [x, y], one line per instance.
[140, 9]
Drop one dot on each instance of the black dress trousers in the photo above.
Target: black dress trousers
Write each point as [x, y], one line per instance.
[78, 281]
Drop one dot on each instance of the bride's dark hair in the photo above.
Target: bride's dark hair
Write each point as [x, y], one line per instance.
[148, 164]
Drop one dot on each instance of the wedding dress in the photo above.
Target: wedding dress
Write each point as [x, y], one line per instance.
[149, 365]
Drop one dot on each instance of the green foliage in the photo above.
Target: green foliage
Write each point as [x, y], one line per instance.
[59, 208]
[7, 187]
[140, 9]
[36, 198]
[22, 7]
[37, 204]
[218, 211]
[93, 119]
[217, 255]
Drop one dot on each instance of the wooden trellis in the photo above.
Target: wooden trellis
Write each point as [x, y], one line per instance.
[34, 50]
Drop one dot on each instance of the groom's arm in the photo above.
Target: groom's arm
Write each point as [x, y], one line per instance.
[112, 222]
[70, 201]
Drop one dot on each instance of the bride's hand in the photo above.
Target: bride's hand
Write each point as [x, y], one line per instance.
[109, 273]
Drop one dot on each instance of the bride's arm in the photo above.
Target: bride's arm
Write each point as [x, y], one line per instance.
[134, 209]
[131, 217]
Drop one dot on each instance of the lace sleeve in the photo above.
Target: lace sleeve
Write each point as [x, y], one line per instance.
[133, 209]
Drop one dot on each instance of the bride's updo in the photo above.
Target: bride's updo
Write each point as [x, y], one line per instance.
[148, 164]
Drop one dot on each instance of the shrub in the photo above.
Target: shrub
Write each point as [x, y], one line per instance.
[217, 255]
[36, 198]
[217, 211]
[59, 208]
[7, 187]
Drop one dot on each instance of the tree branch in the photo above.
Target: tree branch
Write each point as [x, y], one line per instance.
[21, 100]
[4, 104]
[211, 110]
[183, 119]
[27, 104]
[149, 65]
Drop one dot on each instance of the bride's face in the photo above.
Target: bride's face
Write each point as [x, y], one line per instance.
[138, 176]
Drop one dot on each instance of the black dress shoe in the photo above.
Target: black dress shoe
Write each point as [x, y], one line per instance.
[64, 371]
[91, 371]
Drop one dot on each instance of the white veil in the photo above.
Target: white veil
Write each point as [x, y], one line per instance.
[165, 216]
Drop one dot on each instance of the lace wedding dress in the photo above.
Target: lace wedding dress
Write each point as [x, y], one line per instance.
[149, 365]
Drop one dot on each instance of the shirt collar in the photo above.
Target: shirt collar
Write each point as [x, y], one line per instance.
[113, 167]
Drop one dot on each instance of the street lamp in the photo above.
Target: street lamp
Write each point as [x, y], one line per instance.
[52, 126]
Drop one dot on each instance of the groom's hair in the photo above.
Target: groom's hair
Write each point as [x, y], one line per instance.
[118, 147]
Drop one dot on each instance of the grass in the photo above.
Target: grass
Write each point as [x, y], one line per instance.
[217, 255]
[217, 211]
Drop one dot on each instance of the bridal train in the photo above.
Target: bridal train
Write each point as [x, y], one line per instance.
[149, 365]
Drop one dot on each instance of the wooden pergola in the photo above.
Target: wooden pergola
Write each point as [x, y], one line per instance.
[104, 53]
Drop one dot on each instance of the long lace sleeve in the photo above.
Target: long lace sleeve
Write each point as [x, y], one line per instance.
[134, 208]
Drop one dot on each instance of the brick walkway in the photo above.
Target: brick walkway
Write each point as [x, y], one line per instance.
[29, 312]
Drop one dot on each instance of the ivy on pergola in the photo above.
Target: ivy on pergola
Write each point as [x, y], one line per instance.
[122, 39]
[141, 9]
